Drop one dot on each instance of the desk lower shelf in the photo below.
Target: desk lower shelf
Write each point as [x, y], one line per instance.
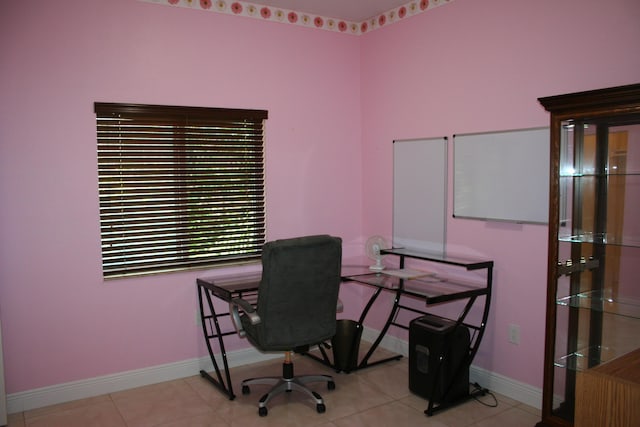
[434, 289]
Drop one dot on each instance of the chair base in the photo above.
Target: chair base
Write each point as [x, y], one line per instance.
[288, 383]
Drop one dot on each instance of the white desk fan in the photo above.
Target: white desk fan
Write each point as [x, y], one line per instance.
[372, 248]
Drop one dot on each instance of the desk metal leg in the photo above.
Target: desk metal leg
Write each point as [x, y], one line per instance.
[465, 363]
[222, 383]
[365, 361]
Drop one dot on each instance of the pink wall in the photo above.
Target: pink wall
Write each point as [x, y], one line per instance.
[335, 104]
[60, 321]
[476, 67]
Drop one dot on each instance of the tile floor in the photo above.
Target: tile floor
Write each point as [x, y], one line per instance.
[377, 396]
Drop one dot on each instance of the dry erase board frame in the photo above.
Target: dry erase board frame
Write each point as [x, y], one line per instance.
[502, 176]
[420, 193]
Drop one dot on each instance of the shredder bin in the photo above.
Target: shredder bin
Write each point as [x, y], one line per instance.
[437, 349]
[346, 344]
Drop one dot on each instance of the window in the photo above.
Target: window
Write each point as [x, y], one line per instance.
[180, 187]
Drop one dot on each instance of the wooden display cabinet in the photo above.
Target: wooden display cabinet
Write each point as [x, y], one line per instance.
[593, 294]
[609, 394]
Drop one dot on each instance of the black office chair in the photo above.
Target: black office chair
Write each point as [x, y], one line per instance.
[296, 308]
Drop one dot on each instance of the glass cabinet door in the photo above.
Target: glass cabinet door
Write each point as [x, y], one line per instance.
[597, 291]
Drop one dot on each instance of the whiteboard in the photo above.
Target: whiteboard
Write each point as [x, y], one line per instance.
[502, 176]
[420, 194]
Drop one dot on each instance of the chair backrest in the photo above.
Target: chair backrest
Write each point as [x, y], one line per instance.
[298, 293]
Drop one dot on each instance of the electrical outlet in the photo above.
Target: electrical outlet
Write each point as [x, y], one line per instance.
[514, 334]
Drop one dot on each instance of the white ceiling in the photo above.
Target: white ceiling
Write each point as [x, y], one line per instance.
[349, 10]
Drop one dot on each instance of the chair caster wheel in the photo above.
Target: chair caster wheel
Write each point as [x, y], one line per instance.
[331, 385]
[321, 408]
[245, 389]
[263, 411]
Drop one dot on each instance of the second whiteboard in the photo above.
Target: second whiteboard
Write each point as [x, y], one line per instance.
[502, 176]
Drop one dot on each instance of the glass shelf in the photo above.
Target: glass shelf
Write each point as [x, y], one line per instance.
[601, 238]
[462, 261]
[586, 358]
[434, 289]
[613, 173]
[603, 301]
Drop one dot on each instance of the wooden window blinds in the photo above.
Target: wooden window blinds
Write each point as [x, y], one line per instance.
[179, 187]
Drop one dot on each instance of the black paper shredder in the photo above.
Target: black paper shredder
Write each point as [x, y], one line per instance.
[434, 340]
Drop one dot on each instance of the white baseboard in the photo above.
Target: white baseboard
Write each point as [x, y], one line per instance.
[506, 386]
[66, 392]
[60, 393]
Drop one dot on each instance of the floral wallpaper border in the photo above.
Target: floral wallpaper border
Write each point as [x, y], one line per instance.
[293, 17]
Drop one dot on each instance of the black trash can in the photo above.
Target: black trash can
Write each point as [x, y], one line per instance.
[346, 344]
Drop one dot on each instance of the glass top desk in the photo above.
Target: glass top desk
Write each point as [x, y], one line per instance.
[432, 289]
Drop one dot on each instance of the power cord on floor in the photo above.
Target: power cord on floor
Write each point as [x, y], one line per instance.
[479, 391]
